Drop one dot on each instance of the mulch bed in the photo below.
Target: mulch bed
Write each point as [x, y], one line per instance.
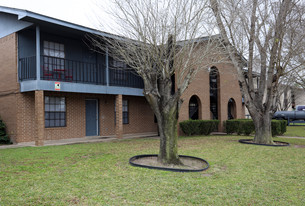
[189, 163]
[276, 143]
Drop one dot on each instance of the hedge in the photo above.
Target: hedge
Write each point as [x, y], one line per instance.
[246, 127]
[198, 127]
[276, 128]
[4, 138]
[283, 126]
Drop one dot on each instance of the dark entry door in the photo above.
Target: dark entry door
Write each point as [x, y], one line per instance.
[91, 117]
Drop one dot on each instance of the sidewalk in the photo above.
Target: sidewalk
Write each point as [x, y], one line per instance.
[89, 139]
[94, 139]
[292, 137]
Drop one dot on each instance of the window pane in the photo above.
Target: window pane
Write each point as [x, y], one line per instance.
[46, 51]
[62, 108]
[52, 100]
[46, 60]
[62, 123]
[52, 107]
[57, 100]
[51, 45]
[125, 118]
[57, 123]
[125, 106]
[46, 100]
[47, 123]
[45, 44]
[52, 123]
[62, 100]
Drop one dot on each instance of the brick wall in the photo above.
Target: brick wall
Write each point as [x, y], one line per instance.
[26, 130]
[8, 83]
[141, 118]
[228, 88]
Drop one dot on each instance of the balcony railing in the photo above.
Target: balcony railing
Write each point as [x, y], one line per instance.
[59, 69]
[27, 68]
[124, 78]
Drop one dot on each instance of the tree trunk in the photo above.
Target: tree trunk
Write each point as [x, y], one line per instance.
[262, 125]
[168, 153]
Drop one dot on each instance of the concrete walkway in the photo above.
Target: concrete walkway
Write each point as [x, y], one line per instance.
[94, 139]
[292, 137]
[91, 139]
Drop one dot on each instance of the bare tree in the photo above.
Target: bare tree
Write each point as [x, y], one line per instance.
[162, 42]
[269, 34]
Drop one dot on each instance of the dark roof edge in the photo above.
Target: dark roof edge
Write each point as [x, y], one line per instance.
[28, 15]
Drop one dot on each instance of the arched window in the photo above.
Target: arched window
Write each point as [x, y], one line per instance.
[231, 109]
[214, 81]
[194, 107]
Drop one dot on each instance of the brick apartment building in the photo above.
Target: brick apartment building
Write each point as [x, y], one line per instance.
[53, 87]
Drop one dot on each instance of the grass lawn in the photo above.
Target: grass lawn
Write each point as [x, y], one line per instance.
[295, 131]
[99, 174]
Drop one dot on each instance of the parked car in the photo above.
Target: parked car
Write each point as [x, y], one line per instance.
[298, 114]
[300, 108]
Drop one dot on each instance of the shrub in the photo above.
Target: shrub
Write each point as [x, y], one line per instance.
[190, 127]
[208, 126]
[224, 123]
[4, 138]
[283, 126]
[198, 127]
[276, 127]
[247, 127]
[239, 126]
[232, 126]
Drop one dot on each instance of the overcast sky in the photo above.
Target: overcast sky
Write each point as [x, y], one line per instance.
[82, 12]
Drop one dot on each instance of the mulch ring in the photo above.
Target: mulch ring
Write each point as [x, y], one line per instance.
[276, 143]
[189, 163]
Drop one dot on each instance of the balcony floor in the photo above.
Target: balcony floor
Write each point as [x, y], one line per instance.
[32, 85]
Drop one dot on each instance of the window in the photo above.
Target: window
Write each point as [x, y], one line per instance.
[53, 59]
[55, 111]
[119, 70]
[53, 49]
[214, 85]
[125, 112]
[194, 108]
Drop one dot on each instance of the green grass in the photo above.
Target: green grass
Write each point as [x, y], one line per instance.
[99, 174]
[295, 131]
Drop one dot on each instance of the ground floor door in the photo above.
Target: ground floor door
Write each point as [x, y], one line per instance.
[92, 117]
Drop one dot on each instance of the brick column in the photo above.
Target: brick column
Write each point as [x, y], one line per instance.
[39, 118]
[119, 116]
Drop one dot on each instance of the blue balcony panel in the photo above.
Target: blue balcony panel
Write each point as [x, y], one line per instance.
[77, 76]
[32, 85]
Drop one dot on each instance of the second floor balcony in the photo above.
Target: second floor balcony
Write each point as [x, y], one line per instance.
[63, 70]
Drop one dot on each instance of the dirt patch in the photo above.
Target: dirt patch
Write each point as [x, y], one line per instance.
[187, 163]
[299, 146]
[207, 175]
